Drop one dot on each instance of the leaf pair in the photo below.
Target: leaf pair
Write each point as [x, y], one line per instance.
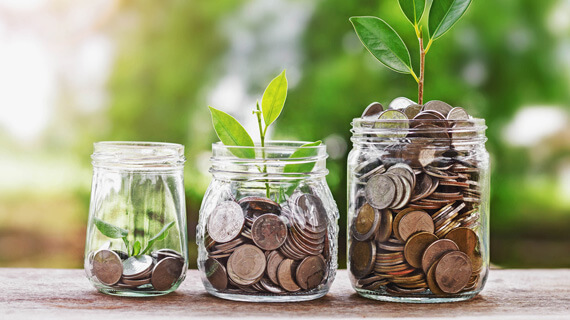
[385, 44]
[115, 232]
[232, 133]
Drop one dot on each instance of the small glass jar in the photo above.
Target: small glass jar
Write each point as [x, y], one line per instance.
[418, 209]
[268, 226]
[136, 241]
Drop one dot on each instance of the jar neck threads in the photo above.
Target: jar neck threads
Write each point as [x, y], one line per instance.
[132, 155]
[277, 161]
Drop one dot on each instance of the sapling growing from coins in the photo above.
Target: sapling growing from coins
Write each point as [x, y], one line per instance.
[232, 133]
[384, 43]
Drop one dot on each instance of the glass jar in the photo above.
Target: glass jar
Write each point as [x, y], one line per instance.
[136, 233]
[418, 209]
[268, 225]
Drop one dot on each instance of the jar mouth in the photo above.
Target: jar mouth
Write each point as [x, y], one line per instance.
[137, 154]
[459, 132]
[280, 159]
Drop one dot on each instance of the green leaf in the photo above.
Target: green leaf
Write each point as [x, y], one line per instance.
[413, 10]
[383, 43]
[443, 14]
[232, 133]
[136, 248]
[161, 235]
[273, 99]
[303, 152]
[110, 230]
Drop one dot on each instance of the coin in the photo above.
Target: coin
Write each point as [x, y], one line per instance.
[268, 231]
[216, 274]
[285, 276]
[309, 212]
[372, 111]
[466, 239]
[107, 267]
[226, 222]
[453, 272]
[400, 103]
[439, 106]
[269, 286]
[366, 223]
[253, 207]
[416, 246]
[412, 110]
[385, 229]
[435, 250]
[311, 272]
[380, 191]
[393, 120]
[432, 284]
[166, 272]
[246, 264]
[137, 265]
[414, 221]
[362, 258]
[457, 113]
[274, 258]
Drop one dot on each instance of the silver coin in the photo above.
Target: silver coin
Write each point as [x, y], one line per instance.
[137, 265]
[400, 103]
[457, 113]
[107, 267]
[166, 273]
[226, 222]
[372, 111]
[380, 191]
[438, 106]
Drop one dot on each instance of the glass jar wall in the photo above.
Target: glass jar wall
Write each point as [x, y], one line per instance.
[268, 224]
[136, 235]
[418, 209]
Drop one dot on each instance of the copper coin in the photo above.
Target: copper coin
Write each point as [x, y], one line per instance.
[397, 218]
[380, 191]
[253, 207]
[365, 223]
[107, 267]
[166, 272]
[385, 229]
[430, 279]
[453, 272]
[226, 222]
[311, 272]
[372, 111]
[362, 258]
[415, 247]
[216, 274]
[285, 275]
[415, 221]
[268, 231]
[274, 258]
[246, 264]
[466, 239]
[435, 250]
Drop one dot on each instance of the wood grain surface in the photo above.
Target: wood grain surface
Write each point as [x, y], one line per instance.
[66, 294]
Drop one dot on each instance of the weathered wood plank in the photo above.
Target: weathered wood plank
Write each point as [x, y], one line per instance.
[66, 294]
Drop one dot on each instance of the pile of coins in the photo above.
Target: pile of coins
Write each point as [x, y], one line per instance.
[257, 246]
[158, 271]
[416, 204]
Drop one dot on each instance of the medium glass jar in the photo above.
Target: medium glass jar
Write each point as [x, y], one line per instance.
[136, 233]
[418, 208]
[268, 225]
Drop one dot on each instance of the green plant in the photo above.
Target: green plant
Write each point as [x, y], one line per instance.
[115, 232]
[384, 43]
[232, 133]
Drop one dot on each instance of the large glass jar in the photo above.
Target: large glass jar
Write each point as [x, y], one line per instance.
[268, 225]
[136, 234]
[418, 207]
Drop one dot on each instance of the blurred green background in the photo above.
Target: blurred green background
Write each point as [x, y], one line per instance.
[76, 72]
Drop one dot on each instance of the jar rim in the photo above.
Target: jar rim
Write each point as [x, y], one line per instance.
[137, 154]
[273, 145]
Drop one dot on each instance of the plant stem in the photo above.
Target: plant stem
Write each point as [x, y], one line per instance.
[262, 138]
[422, 68]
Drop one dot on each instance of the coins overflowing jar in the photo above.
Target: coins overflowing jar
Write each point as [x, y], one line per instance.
[418, 203]
[136, 234]
[268, 226]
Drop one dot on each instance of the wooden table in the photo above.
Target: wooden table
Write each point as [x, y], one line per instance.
[66, 294]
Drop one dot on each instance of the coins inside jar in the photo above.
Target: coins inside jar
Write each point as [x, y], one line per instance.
[279, 249]
[420, 196]
[158, 271]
